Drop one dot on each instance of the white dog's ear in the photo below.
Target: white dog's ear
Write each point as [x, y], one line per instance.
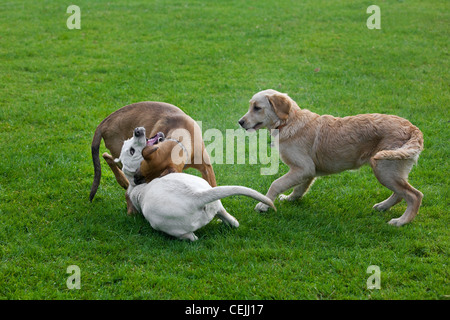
[281, 104]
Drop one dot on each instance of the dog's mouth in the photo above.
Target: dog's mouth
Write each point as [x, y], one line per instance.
[256, 126]
[156, 139]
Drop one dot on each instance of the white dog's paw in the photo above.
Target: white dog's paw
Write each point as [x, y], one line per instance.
[261, 207]
[234, 223]
[189, 236]
[230, 221]
[396, 222]
[227, 218]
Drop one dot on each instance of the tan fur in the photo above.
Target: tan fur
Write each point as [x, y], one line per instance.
[158, 162]
[313, 145]
[155, 117]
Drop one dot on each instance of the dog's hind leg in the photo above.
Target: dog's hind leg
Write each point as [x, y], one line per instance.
[227, 218]
[393, 174]
[120, 176]
[188, 236]
[207, 172]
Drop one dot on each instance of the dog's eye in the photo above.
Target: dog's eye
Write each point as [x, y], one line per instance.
[256, 108]
[131, 151]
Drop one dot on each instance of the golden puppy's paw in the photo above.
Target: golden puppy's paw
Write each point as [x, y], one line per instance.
[380, 206]
[284, 197]
[261, 207]
[397, 222]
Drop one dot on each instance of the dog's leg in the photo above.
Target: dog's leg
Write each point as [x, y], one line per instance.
[121, 179]
[188, 236]
[413, 199]
[207, 173]
[207, 169]
[289, 180]
[120, 176]
[393, 174]
[298, 191]
[389, 202]
[227, 218]
[130, 208]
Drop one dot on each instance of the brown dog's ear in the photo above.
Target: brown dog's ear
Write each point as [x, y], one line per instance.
[148, 151]
[281, 104]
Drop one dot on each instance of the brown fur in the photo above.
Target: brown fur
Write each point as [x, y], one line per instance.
[313, 145]
[158, 161]
[171, 156]
[155, 117]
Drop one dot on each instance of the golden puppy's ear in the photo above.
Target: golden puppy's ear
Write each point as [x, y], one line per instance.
[281, 104]
[148, 151]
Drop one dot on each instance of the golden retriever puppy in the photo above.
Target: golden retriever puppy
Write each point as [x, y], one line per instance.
[313, 145]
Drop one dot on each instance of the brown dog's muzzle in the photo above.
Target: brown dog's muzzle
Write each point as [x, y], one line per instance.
[138, 177]
[159, 137]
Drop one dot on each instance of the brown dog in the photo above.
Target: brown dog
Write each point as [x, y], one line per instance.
[159, 160]
[313, 145]
[155, 117]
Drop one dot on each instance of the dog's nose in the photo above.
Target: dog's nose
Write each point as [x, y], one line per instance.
[138, 178]
[138, 132]
[241, 122]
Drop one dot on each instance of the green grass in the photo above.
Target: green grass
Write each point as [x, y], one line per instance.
[209, 58]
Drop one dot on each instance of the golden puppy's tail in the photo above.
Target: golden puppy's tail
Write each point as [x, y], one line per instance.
[95, 149]
[218, 193]
[410, 150]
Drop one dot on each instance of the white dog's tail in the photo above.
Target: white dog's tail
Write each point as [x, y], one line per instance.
[218, 193]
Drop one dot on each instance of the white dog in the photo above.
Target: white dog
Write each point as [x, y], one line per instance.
[177, 203]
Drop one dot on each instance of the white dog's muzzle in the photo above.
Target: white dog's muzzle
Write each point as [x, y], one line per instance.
[131, 154]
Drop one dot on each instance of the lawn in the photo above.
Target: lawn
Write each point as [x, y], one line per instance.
[209, 58]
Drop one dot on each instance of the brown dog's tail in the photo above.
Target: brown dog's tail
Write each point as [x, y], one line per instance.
[95, 151]
[410, 150]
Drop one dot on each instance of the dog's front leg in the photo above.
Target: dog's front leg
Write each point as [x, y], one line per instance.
[298, 191]
[289, 180]
[120, 176]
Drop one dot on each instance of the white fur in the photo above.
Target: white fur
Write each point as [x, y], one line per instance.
[132, 160]
[179, 203]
